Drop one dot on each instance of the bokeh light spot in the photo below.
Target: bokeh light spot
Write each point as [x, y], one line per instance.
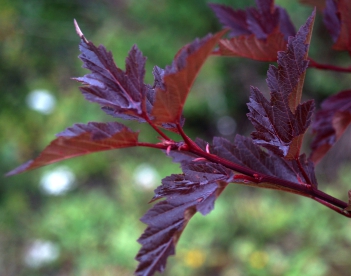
[226, 125]
[41, 252]
[58, 181]
[42, 101]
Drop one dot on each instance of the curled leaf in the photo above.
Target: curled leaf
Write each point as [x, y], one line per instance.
[330, 123]
[337, 19]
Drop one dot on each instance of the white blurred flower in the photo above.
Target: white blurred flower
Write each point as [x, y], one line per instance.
[41, 252]
[146, 177]
[41, 101]
[226, 125]
[57, 181]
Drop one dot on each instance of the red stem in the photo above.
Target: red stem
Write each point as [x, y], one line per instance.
[191, 144]
[325, 203]
[314, 64]
[216, 52]
[147, 119]
[306, 190]
[150, 145]
[164, 136]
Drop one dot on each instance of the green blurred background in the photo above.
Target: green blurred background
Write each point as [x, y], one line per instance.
[81, 216]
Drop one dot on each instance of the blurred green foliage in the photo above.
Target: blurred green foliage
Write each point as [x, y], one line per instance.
[92, 228]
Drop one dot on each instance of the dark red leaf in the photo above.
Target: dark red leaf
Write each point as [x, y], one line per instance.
[331, 19]
[263, 20]
[247, 154]
[195, 190]
[179, 77]
[337, 18]
[249, 46]
[121, 94]
[285, 25]
[235, 20]
[166, 222]
[281, 123]
[260, 21]
[204, 173]
[330, 123]
[82, 139]
[256, 33]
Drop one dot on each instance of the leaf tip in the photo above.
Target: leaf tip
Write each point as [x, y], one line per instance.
[20, 169]
[78, 30]
[312, 16]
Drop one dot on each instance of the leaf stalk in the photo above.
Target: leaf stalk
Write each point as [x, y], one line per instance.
[314, 64]
[302, 189]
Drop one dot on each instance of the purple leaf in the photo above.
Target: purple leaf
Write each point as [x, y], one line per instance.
[256, 33]
[285, 25]
[263, 20]
[260, 21]
[330, 123]
[119, 91]
[166, 222]
[235, 20]
[331, 19]
[251, 47]
[121, 94]
[281, 122]
[338, 22]
[247, 154]
[195, 190]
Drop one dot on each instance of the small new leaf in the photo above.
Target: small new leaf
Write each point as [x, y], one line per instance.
[82, 139]
[330, 123]
[281, 122]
